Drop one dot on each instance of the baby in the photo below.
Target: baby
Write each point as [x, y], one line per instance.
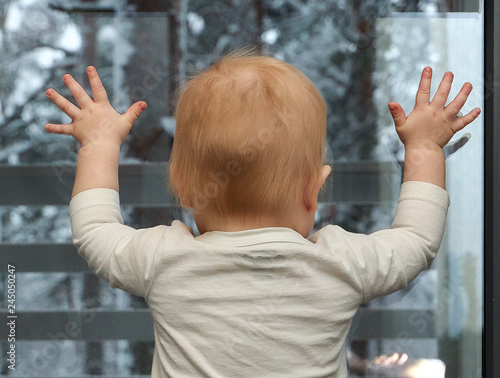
[253, 295]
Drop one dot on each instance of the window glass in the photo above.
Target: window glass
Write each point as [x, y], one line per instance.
[360, 55]
[451, 290]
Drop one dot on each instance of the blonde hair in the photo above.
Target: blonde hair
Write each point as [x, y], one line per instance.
[250, 131]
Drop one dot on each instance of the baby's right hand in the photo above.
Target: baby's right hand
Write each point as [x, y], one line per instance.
[96, 121]
[428, 127]
[431, 124]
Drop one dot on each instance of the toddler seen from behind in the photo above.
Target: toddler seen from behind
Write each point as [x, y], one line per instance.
[253, 295]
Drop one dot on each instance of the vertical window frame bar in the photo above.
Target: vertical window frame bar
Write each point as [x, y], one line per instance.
[491, 330]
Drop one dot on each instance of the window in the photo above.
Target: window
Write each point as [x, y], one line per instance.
[360, 54]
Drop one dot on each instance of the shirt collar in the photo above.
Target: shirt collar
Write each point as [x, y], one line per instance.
[253, 237]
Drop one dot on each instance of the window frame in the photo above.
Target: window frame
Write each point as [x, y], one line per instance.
[491, 332]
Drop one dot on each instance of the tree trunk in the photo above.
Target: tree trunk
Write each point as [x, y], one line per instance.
[259, 21]
[91, 291]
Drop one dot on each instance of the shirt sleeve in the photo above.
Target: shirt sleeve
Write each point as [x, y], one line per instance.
[121, 255]
[387, 260]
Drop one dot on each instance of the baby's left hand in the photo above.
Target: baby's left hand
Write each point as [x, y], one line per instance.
[95, 121]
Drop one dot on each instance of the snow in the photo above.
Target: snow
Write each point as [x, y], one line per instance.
[71, 39]
[46, 57]
[196, 23]
[270, 36]
[13, 19]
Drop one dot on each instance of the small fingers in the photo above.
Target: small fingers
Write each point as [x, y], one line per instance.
[402, 359]
[454, 107]
[81, 97]
[66, 129]
[98, 91]
[424, 88]
[461, 122]
[443, 90]
[135, 110]
[391, 360]
[397, 113]
[62, 103]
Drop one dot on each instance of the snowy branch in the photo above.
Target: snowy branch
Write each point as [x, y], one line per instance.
[17, 148]
[18, 109]
[45, 45]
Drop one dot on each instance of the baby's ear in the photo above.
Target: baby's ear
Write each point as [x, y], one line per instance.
[313, 187]
[323, 174]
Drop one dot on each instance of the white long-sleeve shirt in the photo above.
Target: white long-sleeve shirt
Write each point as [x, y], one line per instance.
[256, 303]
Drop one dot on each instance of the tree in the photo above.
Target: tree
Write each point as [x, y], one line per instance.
[26, 37]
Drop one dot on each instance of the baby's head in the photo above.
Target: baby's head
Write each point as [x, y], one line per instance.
[249, 140]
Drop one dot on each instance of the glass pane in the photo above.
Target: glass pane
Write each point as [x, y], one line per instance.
[452, 289]
[360, 54]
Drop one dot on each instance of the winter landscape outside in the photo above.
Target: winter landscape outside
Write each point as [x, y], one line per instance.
[360, 55]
